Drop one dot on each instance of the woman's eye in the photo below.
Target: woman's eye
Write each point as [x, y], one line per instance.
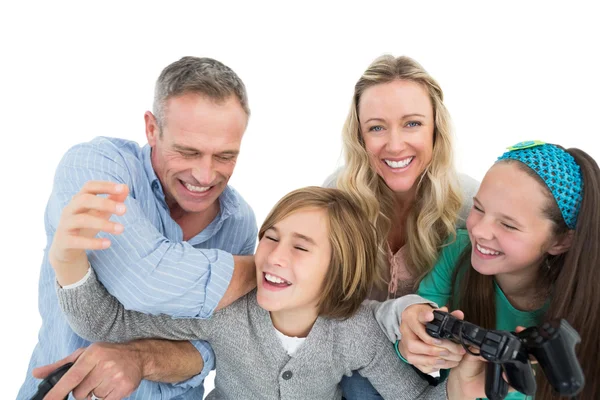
[300, 248]
[413, 124]
[376, 128]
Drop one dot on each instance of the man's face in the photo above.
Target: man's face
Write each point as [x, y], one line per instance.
[195, 154]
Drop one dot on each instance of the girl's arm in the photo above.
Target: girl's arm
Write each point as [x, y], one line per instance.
[389, 313]
[95, 315]
[417, 347]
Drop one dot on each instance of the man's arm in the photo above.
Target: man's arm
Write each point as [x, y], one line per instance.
[242, 281]
[168, 361]
[142, 268]
[119, 368]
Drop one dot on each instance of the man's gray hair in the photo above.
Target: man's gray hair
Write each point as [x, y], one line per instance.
[204, 76]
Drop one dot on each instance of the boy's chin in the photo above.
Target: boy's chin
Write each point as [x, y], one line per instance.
[267, 304]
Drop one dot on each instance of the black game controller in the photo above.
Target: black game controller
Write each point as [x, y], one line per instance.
[552, 344]
[50, 381]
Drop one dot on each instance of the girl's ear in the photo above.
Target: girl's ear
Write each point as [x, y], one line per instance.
[563, 244]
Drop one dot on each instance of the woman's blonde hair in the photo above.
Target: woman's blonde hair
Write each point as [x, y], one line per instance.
[353, 246]
[438, 200]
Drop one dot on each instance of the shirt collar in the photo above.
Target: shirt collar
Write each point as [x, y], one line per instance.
[147, 160]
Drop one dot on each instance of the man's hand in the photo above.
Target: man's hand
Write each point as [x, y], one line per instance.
[426, 353]
[113, 371]
[110, 371]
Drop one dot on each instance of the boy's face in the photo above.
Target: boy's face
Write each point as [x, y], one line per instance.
[292, 260]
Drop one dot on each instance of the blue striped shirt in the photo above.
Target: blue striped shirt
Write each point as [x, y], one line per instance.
[149, 267]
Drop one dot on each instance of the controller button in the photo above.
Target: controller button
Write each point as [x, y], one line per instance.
[493, 337]
[539, 339]
[486, 348]
[546, 325]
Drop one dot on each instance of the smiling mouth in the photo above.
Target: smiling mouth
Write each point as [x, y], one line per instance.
[487, 251]
[399, 164]
[196, 189]
[275, 280]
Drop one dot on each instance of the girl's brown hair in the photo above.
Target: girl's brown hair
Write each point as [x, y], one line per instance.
[572, 278]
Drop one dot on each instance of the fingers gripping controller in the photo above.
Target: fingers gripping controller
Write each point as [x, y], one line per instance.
[51, 380]
[552, 344]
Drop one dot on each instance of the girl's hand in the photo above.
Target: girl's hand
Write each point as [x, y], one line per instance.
[81, 220]
[426, 353]
[467, 381]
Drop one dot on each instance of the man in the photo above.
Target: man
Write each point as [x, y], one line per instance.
[182, 225]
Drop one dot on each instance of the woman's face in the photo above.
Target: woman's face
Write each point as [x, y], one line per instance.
[397, 126]
[292, 260]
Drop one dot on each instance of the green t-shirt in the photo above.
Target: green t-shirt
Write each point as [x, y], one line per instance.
[437, 287]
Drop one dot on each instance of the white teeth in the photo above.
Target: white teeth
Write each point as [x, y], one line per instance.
[192, 188]
[486, 251]
[399, 164]
[275, 279]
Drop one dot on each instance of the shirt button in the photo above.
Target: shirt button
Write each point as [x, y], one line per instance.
[287, 375]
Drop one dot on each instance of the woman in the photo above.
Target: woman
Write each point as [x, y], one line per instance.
[399, 167]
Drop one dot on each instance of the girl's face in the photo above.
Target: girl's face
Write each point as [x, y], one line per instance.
[292, 260]
[508, 231]
[397, 125]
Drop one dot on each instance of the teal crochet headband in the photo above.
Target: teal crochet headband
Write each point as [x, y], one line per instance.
[558, 170]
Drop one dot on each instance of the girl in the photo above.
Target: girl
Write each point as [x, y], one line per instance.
[298, 333]
[530, 253]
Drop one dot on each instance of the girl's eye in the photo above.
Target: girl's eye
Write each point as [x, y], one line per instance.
[271, 238]
[300, 248]
[510, 227]
[376, 128]
[477, 208]
[412, 124]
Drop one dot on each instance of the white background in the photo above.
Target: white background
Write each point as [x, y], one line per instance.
[70, 72]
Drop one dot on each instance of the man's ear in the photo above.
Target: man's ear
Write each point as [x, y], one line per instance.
[152, 128]
[563, 243]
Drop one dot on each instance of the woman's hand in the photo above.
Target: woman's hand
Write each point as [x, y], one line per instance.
[81, 220]
[426, 353]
